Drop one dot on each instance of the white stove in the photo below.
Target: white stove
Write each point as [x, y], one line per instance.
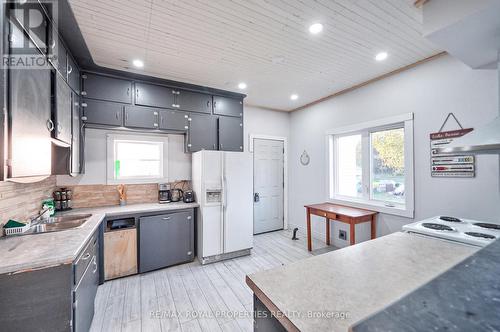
[466, 231]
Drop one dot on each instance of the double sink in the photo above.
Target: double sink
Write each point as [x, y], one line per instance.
[61, 223]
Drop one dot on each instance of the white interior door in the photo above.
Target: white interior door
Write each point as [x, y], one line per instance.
[268, 185]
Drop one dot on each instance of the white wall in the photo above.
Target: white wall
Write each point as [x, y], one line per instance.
[179, 163]
[265, 122]
[430, 91]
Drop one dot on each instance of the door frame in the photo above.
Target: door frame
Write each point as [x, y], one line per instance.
[251, 139]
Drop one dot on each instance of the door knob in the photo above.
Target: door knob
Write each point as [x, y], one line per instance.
[256, 197]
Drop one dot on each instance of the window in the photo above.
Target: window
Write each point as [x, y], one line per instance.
[136, 159]
[371, 165]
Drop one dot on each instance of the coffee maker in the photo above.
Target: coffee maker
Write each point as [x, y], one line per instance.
[164, 193]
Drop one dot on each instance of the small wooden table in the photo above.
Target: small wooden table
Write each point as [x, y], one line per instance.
[345, 214]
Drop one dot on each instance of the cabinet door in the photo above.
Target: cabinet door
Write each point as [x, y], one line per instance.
[174, 120]
[30, 123]
[202, 132]
[193, 101]
[84, 297]
[230, 133]
[76, 135]
[154, 95]
[107, 88]
[73, 75]
[141, 117]
[228, 106]
[120, 253]
[102, 112]
[165, 240]
[63, 112]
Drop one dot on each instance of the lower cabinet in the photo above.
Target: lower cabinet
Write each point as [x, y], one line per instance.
[86, 279]
[166, 240]
[202, 132]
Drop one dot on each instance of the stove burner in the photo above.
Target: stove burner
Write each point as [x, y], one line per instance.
[484, 236]
[437, 227]
[450, 219]
[487, 225]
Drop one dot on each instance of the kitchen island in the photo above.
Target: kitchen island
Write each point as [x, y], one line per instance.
[333, 291]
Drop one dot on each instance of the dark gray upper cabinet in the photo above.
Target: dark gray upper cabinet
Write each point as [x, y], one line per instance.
[154, 96]
[106, 88]
[202, 133]
[228, 106]
[174, 120]
[141, 117]
[63, 110]
[76, 135]
[193, 101]
[102, 112]
[230, 133]
[73, 75]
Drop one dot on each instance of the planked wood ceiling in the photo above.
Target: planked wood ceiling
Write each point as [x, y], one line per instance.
[265, 43]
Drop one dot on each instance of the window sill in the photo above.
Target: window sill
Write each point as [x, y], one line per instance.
[374, 206]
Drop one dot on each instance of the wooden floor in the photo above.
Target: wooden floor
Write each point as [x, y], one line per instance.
[191, 297]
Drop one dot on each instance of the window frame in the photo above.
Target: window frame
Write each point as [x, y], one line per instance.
[110, 158]
[365, 129]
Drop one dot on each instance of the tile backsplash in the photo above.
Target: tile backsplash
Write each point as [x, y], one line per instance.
[20, 201]
[88, 196]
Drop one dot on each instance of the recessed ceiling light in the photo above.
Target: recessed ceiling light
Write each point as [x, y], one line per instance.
[242, 86]
[381, 56]
[294, 97]
[138, 63]
[316, 28]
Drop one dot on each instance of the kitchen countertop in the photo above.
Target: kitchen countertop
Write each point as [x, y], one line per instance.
[465, 298]
[34, 251]
[354, 282]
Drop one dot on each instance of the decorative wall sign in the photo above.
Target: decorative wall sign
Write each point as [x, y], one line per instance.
[450, 165]
[304, 158]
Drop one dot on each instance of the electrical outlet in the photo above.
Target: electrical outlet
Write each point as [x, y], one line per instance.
[342, 235]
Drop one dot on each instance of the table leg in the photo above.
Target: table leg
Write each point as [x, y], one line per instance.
[352, 235]
[309, 242]
[374, 226]
[327, 231]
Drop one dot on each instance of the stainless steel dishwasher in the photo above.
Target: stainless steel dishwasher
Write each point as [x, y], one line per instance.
[165, 240]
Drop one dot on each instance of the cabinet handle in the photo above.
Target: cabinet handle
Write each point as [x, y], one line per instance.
[155, 125]
[59, 128]
[95, 265]
[136, 94]
[186, 116]
[84, 93]
[215, 104]
[53, 44]
[166, 218]
[155, 113]
[214, 146]
[221, 146]
[241, 148]
[241, 124]
[188, 217]
[128, 91]
[189, 145]
[84, 118]
[70, 69]
[186, 127]
[208, 103]
[84, 104]
[50, 125]
[117, 115]
[86, 256]
[189, 119]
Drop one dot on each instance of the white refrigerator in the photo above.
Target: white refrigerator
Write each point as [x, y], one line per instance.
[223, 186]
